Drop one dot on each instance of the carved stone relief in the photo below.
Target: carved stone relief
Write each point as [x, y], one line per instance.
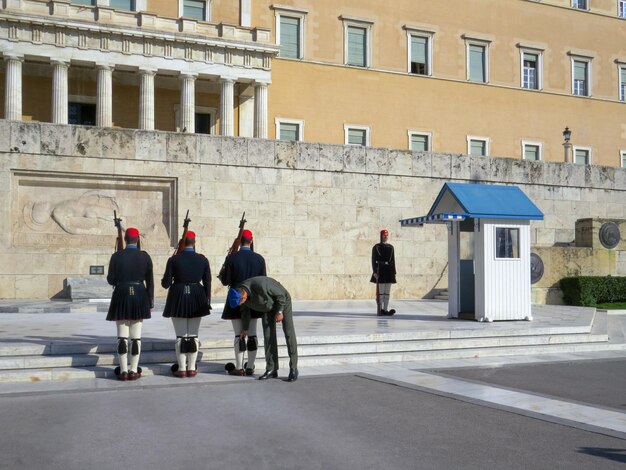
[59, 209]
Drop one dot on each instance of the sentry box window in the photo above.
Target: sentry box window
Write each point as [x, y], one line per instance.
[507, 242]
[96, 269]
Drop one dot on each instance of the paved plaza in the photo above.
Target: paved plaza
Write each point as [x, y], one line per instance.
[559, 410]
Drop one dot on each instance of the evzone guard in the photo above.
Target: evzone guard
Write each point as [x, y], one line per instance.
[130, 272]
[384, 273]
[240, 265]
[188, 280]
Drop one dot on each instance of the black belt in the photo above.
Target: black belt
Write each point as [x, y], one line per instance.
[132, 283]
[385, 263]
[186, 283]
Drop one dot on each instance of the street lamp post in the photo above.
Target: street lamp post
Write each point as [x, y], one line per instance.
[567, 146]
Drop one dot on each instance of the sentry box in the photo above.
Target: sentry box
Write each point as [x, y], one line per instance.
[488, 249]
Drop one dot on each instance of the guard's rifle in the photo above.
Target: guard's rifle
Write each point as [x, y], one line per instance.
[181, 242]
[234, 248]
[378, 308]
[119, 242]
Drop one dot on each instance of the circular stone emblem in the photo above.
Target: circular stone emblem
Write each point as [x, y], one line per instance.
[536, 268]
[609, 235]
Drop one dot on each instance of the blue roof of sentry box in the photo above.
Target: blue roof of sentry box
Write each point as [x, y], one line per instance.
[459, 201]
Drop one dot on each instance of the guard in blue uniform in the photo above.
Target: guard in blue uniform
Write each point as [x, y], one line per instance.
[130, 271]
[188, 278]
[238, 267]
[384, 271]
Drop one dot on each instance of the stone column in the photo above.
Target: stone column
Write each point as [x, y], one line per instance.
[59, 91]
[227, 104]
[146, 100]
[104, 101]
[188, 103]
[13, 87]
[567, 147]
[260, 110]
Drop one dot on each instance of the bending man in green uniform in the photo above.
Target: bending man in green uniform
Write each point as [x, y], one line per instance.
[268, 296]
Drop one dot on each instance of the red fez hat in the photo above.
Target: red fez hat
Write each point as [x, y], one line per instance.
[190, 234]
[132, 232]
[384, 232]
[246, 234]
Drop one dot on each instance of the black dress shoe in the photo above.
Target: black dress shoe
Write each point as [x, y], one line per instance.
[293, 375]
[269, 374]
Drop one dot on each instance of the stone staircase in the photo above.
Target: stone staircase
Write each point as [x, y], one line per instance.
[64, 361]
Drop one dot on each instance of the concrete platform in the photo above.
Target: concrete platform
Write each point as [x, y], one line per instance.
[55, 340]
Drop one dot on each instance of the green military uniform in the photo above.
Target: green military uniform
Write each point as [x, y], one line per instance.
[268, 296]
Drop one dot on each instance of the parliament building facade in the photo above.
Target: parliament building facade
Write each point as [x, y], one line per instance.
[477, 77]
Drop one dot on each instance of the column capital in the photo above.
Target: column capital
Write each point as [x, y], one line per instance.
[147, 71]
[60, 62]
[105, 66]
[192, 75]
[11, 56]
[262, 83]
[227, 79]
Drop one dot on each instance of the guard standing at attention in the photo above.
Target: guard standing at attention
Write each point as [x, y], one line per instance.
[188, 278]
[268, 296]
[384, 272]
[130, 271]
[238, 267]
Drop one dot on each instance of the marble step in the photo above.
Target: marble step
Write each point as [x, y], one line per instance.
[71, 373]
[108, 357]
[63, 347]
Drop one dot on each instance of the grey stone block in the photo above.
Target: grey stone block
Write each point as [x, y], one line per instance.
[600, 177]
[377, 161]
[118, 143]
[88, 288]
[501, 169]
[480, 168]
[455, 166]
[421, 163]
[620, 179]
[401, 162]
[150, 145]
[5, 135]
[25, 137]
[285, 154]
[86, 142]
[331, 157]
[56, 139]
[181, 147]
[234, 151]
[308, 156]
[354, 158]
[261, 152]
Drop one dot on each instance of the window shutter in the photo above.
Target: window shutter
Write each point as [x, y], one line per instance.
[580, 70]
[289, 131]
[531, 152]
[419, 143]
[477, 148]
[289, 37]
[357, 47]
[582, 157]
[418, 49]
[477, 63]
[357, 137]
[122, 4]
[195, 9]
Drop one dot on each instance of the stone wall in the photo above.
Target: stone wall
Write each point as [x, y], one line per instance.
[315, 209]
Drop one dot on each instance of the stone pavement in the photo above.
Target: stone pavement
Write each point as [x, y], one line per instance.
[316, 319]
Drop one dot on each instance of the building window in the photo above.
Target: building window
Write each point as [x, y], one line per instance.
[582, 155]
[203, 123]
[419, 141]
[122, 4]
[622, 155]
[477, 146]
[581, 84]
[290, 37]
[290, 129]
[83, 114]
[196, 9]
[622, 9]
[531, 150]
[622, 83]
[356, 135]
[357, 41]
[531, 70]
[580, 4]
[84, 2]
[507, 242]
[477, 62]
[419, 54]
